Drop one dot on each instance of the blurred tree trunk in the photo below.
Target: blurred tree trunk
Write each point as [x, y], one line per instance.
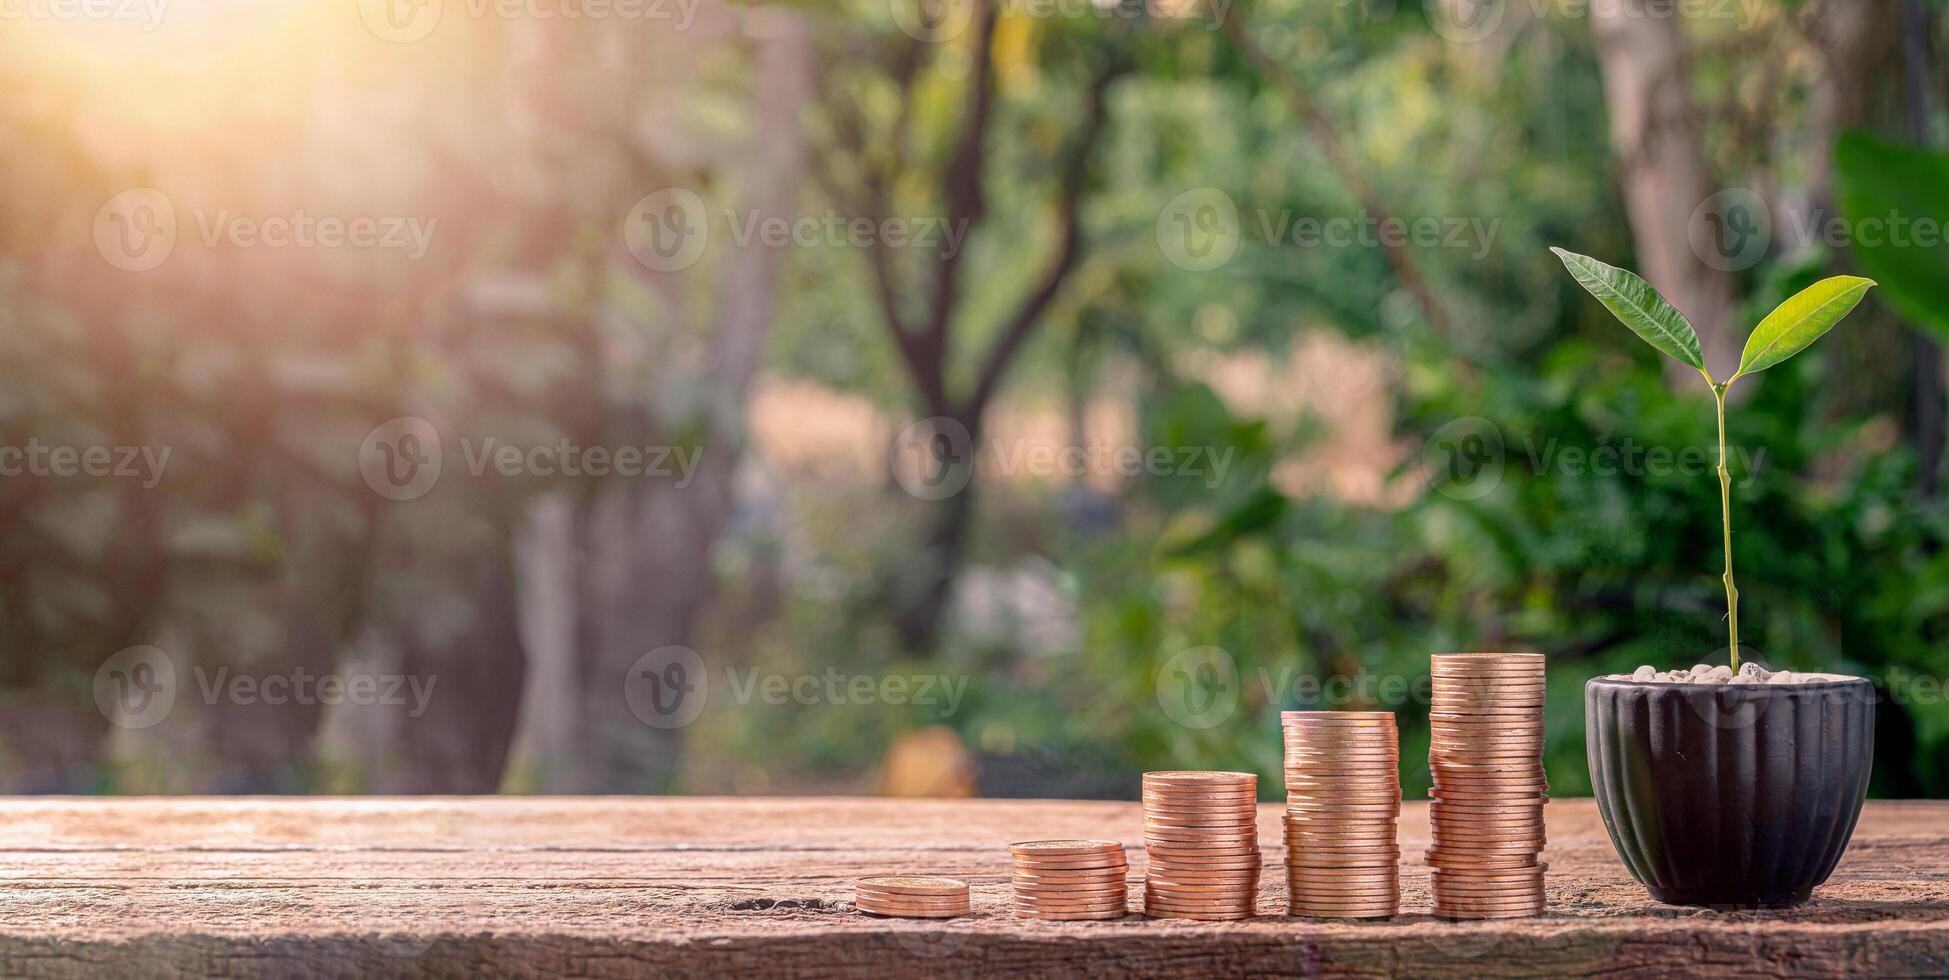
[1928, 422]
[1852, 39]
[1662, 165]
[864, 178]
[460, 744]
[645, 547]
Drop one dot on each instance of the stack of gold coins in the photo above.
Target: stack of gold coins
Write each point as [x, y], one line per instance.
[1201, 836]
[1343, 799]
[1069, 879]
[912, 896]
[1486, 756]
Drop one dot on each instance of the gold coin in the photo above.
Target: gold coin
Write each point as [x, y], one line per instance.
[1071, 865]
[1200, 835]
[1473, 695]
[1093, 876]
[1236, 902]
[1199, 778]
[1313, 886]
[1192, 878]
[1193, 851]
[1341, 839]
[1360, 765]
[1210, 875]
[1492, 873]
[1458, 894]
[1195, 823]
[1121, 903]
[1449, 827]
[1341, 860]
[1065, 847]
[883, 902]
[1107, 869]
[1240, 905]
[1318, 863]
[1524, 767]
[1227, 861]
[1508, 862]
[893, 898]
[1379, 892]
[911, 914]
[1464, 904]
[1068, 888]
[914, 884]
[1072, 916]
[1199, 916]
[1242, 807]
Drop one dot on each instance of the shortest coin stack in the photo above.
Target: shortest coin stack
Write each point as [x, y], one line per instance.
[912, 896]
[1069, 879]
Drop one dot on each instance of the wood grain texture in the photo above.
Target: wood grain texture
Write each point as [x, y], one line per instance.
[614, 887]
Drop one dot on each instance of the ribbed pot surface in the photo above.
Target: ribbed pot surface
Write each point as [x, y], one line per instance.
[1730, 794]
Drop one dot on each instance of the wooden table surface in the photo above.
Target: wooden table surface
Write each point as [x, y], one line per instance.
[613, 887]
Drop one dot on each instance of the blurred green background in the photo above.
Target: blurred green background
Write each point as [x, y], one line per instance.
[1306, 240]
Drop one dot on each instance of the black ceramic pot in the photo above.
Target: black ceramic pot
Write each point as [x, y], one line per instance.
[1737, 795]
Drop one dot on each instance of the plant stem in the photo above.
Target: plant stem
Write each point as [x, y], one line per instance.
[1725, 522]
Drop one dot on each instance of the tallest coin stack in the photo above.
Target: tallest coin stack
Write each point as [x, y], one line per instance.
[1486, 758]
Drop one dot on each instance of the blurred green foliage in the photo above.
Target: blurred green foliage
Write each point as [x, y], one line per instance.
[1602, 567]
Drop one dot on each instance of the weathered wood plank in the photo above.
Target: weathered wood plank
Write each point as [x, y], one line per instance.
[627, 887]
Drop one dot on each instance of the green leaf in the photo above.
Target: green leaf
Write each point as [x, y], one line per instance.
[1800, 321]
[1888, 192]
[1638, 305]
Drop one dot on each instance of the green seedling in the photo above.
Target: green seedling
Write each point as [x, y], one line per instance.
[1786, 331]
